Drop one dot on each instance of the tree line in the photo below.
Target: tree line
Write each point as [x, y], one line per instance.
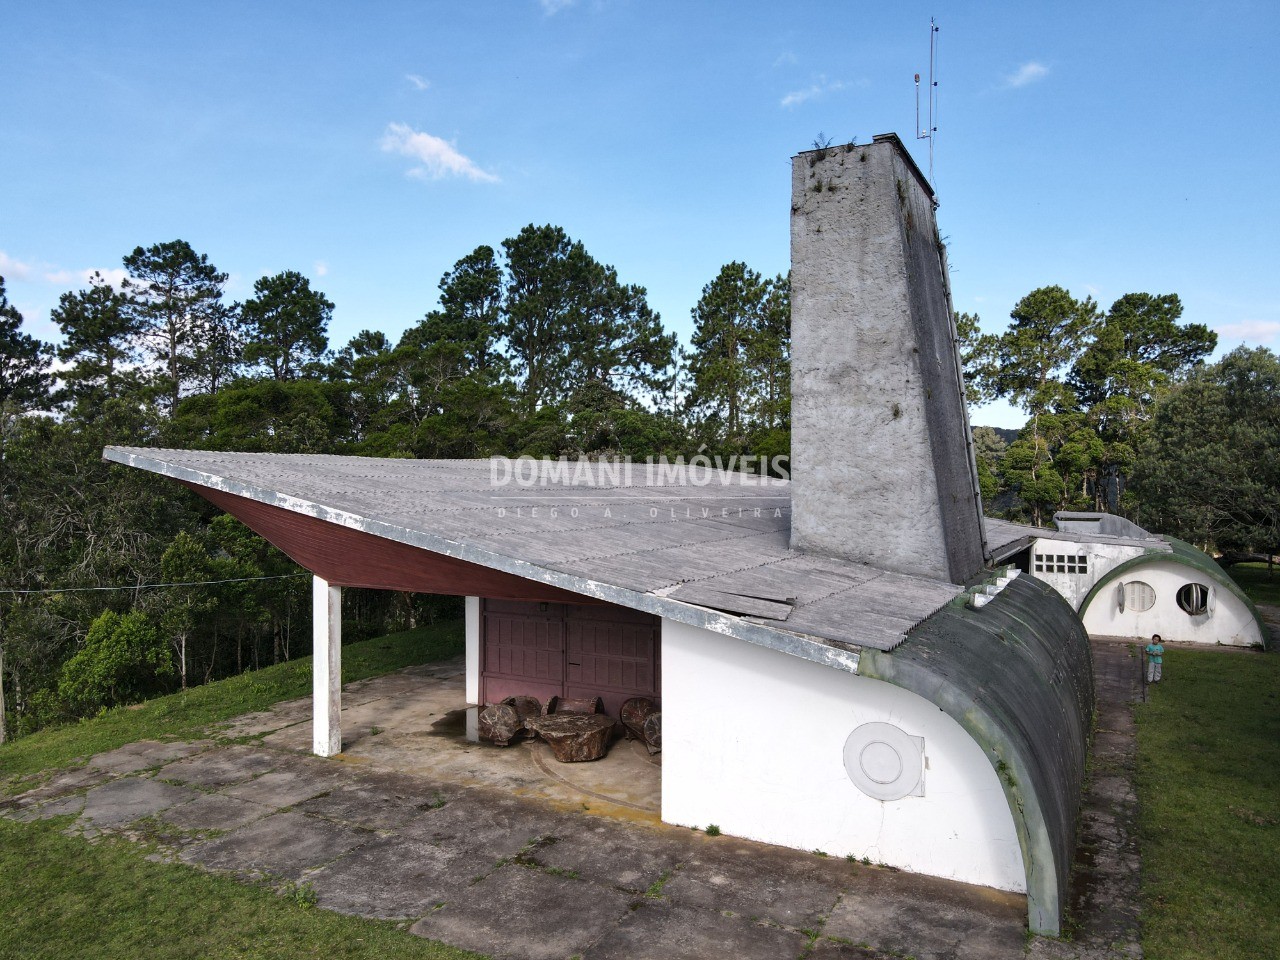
[1124, 415]
[535, 347]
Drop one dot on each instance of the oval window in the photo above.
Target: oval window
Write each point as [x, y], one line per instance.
[1193, 598]
[1139, 596]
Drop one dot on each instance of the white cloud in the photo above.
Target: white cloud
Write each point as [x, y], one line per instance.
[437, 158]
[113, 275]
[1254, 331]
[552, 7]
[1028, 73]
[417, 82]
[321, 268]
[820, 88]
[14, 269]
[59, 276]
[785, 59]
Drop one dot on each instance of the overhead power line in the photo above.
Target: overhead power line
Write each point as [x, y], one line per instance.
[152, 586]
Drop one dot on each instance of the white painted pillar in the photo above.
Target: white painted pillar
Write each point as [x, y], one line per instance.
[473, 650]
[326, 668]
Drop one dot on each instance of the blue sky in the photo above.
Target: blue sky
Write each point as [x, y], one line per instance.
[1107, 147]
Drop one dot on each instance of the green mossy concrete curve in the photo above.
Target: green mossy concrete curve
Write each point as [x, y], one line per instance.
[1017, 675]
[1193, 557]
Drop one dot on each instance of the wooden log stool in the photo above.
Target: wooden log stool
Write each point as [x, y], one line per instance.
[500, 723]
[574, 737]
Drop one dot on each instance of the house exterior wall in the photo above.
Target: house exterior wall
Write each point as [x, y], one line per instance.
[1102, 558]
[754, 741]
[1227, 620]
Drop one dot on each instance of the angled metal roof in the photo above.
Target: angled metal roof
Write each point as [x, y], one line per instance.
[696, 545]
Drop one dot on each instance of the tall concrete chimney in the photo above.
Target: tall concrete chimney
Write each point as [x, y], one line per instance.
[882, 465]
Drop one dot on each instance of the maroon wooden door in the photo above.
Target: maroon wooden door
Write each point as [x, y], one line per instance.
[612, 653]
[522, 650]
[569, 650]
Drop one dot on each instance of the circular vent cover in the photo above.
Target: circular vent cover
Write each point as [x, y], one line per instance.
[884, 761]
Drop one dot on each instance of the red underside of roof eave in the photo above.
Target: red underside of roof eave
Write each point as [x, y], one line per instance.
[353, 558]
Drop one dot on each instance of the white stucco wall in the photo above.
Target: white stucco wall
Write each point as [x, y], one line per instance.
[1103, 558]
[473, 649]
[753, 742]
[1227, 620]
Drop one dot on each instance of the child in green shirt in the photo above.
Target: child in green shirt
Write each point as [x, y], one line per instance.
[1155, 659]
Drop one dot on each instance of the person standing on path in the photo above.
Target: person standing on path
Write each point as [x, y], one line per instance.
[1155, 658]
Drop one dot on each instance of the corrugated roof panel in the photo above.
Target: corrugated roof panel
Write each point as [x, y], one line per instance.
[660, 538]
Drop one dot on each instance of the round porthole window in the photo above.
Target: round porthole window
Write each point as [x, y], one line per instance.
[1193, 598]
[1138, 596]
[885, 762]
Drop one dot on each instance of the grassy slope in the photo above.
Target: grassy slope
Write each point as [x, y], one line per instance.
[1209, 789]
[1254, 581]
[185, 715]
[62, 897]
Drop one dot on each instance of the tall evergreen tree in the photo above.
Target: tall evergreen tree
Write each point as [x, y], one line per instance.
[175, 297]
[568, 322]
[1209, 468]
[24, 362]
[1138, 351]
[285, 325]
[739, 364]
[1049, 332]
[99, 342]
[470, 311]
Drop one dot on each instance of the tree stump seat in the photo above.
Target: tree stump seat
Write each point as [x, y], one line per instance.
[574, 737]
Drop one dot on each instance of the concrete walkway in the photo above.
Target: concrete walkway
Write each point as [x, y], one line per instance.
[1105, 876]
[497, 852]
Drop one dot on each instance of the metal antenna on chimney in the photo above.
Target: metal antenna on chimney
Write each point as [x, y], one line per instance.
[930, 132]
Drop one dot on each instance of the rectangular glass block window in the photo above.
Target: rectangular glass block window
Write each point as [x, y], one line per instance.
[1061, 563]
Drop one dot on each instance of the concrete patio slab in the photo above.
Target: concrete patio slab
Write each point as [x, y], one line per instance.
[283, 845]
[755, 880]
[929, 919]
[213, 811]
[218, 768]
[489, 825]
[121, 802]
[72, 805]
[838, 949]
[392, 878]
[372, 803]
[144, 754]
[519, 912]
[287, 787]
[59, 785]
[657, 930]
[626, 859]
[257, 724]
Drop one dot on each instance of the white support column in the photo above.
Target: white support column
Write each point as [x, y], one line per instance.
[473, 650]
[326, 668]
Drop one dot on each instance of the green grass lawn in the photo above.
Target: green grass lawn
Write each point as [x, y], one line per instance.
[1209, 794]
[64, 898]
[1256, 582]
[185, 715]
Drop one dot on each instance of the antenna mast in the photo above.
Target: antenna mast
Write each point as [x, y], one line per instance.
[929, 132]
